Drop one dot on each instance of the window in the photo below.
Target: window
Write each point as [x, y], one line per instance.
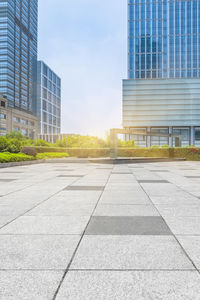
[24, 131]
[3, 104]
[2, 116]
[197, 134]
[16, 120]
[24, 122]
[31, 123]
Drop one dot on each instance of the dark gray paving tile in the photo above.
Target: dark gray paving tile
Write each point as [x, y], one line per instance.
[153, 181]
[122, 173]
[192, 177]
[7, 180]
[84, 188]
[160, 171]
[63, 176]
[127, 226]
[63, 170]
[104, 169]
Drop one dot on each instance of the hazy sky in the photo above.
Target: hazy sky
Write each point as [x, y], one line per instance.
[84, 42]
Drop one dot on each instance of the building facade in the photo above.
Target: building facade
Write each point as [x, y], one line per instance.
[16, 120]
[162, 92]
[48, 100]
[18, 52]
[164, 39]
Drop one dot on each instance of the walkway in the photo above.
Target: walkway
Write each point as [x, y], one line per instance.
[98, 232]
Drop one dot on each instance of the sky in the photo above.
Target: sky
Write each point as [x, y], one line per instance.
[85, 43]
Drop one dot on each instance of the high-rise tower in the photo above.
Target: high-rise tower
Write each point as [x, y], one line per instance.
[18, 52]
[162, 92]
[164, 39]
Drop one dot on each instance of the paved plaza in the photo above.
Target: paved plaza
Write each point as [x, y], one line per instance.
[83, 231]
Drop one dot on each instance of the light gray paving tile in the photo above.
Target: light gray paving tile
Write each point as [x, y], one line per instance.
[124, 197]
[184, 225]
[5, 219]
[191, 244]
[127, 226]
[175, 199]
[29, 285]
[125, 210]
[62, 208]
[46, 225]
[176, 210]
[130, 252]
[84, 188]
[155, 285]
[36, 252]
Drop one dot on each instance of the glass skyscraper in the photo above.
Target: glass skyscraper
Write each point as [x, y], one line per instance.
[18, 52]
[164, 39]
[48, 100]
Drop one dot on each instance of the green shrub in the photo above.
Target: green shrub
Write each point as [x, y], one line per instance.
[51, 155]
[41, 143]
[15, 135]
[11, 157]
[50, 149]
[3, 144]
[14, 146]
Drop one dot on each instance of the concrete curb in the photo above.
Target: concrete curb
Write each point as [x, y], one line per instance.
[89, 160]
[42, 161]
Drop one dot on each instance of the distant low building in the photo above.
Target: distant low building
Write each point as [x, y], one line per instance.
[48, 106]
[17, 120]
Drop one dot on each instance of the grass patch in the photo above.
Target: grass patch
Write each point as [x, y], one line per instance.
[7, 157]
[49, 155]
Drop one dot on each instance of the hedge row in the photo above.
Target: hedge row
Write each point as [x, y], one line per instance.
[188, 153]
[11, 157]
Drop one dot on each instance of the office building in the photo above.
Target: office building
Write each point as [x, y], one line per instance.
[18, 53]
[162, 91]
[12, 119]
[48, 100]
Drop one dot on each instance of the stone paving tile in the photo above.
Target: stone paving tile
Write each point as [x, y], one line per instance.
[5, 219]
[184, 225]
[46, 225]
[130, 252]
[84, 188]
[127, 226]
[36, 252]
[180, 198]
[193, 177]
[66, 176]
[62, 208]
[125, 210]
[29, 285]
[153, 181]
[123, 285]
[191, 244]
[176, 210]
[6, 180]
[159, 171]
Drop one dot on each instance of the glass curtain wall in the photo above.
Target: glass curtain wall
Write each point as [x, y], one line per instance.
[18, 52]
[164, 39]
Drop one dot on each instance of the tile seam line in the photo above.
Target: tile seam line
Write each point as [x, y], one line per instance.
[99, 270]
[43, 201]
[184, 251]
[75, 251]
